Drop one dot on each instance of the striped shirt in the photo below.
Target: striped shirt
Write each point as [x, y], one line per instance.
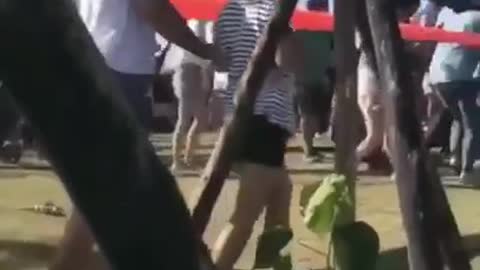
[275, 100]
[240, 25]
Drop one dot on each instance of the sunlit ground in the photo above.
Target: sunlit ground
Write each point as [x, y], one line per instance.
[28, 240]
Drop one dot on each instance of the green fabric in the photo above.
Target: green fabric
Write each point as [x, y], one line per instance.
[318, 55]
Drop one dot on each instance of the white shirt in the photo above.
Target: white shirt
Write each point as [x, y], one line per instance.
[204, 31]
[125, 40]
[453, 61]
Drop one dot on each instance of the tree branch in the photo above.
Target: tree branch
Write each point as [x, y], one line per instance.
[433, 237]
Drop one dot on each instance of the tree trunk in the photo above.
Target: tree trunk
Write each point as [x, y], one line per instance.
[432, 234]
[109, 168]
[345, 124]
[231, 136]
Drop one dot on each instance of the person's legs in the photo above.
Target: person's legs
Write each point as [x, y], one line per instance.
[193, 136]
[470, 113]
[309, 119]
[263, 182]
[278, 203]
[369, 101]
[456, 138]
[200, 111]
[185, 83]
[461, 99]
[374, 125]
[309, 127]
[251, 199]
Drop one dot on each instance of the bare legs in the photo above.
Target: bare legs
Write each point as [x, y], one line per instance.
[260, 187]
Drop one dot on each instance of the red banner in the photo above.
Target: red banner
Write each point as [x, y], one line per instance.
[323, 21]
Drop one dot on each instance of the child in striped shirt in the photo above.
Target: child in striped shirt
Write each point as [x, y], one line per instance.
[264, 180]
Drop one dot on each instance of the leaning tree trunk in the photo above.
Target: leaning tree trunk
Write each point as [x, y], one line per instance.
[230, 140]
[345, 124]
[433, 237]
[108, 167]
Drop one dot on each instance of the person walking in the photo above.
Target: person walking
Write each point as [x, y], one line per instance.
[192, 84]
[315, 91]
[454, 77]
[264, 181]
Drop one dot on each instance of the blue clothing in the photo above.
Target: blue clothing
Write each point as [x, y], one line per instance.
[451, 61]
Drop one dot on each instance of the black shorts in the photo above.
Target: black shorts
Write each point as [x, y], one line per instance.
[264, 143]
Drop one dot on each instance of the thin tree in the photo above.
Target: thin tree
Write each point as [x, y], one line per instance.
[345, 124]
[109, 168]
[433, 236]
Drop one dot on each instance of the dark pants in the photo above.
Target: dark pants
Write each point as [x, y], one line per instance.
[10, 117]
[135, 88]
[461, 99]
[316, 100]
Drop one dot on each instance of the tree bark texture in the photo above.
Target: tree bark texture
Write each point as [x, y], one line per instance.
[108, 166]
[345, 124]
[432, 234]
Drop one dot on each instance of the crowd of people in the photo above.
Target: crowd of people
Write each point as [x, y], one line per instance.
[296, 96]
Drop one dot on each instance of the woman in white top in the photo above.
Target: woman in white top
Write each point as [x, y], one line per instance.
[192, 83]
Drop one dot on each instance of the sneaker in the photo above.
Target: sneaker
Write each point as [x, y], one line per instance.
[470, 179]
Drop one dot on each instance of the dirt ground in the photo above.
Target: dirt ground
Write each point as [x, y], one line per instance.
[28, 240]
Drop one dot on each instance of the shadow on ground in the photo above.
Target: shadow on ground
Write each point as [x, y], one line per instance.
[396, 259]
[16, 255]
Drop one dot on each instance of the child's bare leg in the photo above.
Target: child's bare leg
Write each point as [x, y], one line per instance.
[76, 245]
[251, 199]
[194, 133]
[278, 204]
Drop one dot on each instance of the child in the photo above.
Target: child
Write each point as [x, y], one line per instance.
[264, 180]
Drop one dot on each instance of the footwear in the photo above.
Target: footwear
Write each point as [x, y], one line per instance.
[470, 179]
[11, 151]
[455, 164]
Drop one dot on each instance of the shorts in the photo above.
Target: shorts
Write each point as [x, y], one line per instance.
[316, 100]
[136, 88]
[264, 143]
